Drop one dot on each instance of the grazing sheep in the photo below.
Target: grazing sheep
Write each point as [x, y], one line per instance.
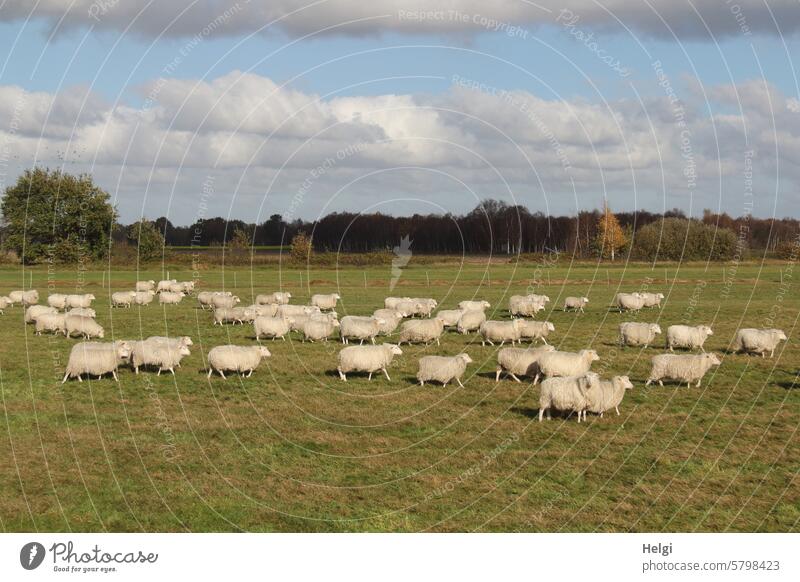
[236, 359]
[605, 395]
[353, 327]
[554, 364]
[471, 305]
[170, 298]
[409, 307]
[471, 321]
[57, 300]
[272, 327]
[278, 297]
[218, 301]
[391, 317]
[325, 302]
[577, 303]
[205, 297]
[165, 285]
[297, 322]
[5, 303]
[517, 362]
[234, 315]
[442, 369]
[80, 300]
[450, 316]
[392, 302]
[421, 331]
[27, 298]
[85, 326]
[369, 359]
[164, 355]
[34, 311]
[758, 341]
[652, 299]
[568, 393]
[146, 285]
[634, 333]
[500, 331]
[424, 306]
[96, 359]
[122, 298]
[51, 322]
[84, 311]
[684, 367]
[285, 310]
[628, 301]
[526, 305]
[535, 330]
[144, 297]
[686, 336]
[319, 329]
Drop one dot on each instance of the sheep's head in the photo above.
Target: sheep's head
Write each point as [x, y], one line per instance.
[624, 381]
[550, 326]
[101, 334]
[486, 304]
[186, 341]
[123, 350]
[585, 299]
[184, 351]
[655, 328]
[660, 295]
[337, 296]
[236, 299]
[335, 323]
[591, 355]
[263, 352]
[778, 333]
[90, 297]
[713, 359]
[465, 358]
[394, 349]
[706, 330]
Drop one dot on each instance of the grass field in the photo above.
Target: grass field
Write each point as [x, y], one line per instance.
[294, 449]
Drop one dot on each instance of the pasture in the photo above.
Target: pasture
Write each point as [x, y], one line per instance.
[294, 449]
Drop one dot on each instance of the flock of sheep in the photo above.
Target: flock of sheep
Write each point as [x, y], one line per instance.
[568, 385]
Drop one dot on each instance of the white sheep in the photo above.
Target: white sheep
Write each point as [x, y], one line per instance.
[319, 329]
[517, 362]
[368, 359]
[758, 341]
[144, 297]
[234, 315]
[353, 327]
[27, 298]
[205, 297]
[122, 298]
[425, 306]
[218, 301]
[500, 331]
[577, 303]
[421, 331]
[164, 355]
[391, 317]
[278, 297]
[236, 359]
[53, 322]
[170, 298]
[57, 300]
[392, 302]
[85, 311]
[555, 363]
[652, 299]
[606, 394]
[442, 369]
[85, 326]
[535, 330]
[468, 305]
[635, 333]
[682, 367]
[686, 336]
[271, 327]
[186, 287]
[470, 321]
[628, 301]
[80, 300]
[5, 303]
[325, 302]
[526, 305]
[450, 317]
[165, 284]
[268, 310]
[567, 393]
[34, 311]
[146, 285]
[96, 359]
[409, 307]
[285, 310]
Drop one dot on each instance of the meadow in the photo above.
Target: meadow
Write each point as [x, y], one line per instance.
[294, 449]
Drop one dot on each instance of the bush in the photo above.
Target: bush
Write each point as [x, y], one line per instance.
[788, 250]
[146, 239]
[301, 248]
[676, 239]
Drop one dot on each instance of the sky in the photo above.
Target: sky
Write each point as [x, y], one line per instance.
[190, 109]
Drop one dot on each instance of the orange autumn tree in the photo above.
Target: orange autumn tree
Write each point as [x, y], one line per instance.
[611, 237]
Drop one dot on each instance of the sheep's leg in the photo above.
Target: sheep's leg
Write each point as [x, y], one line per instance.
[210, 371]
[437, 342]
[536, 379]
[79, 378]
[250, 373]
[497, 374]
[648, 382]
[601, 415]
[661, 383]
[369, 377]
[221, 373]
[342, 377]
[159, 372]
[459, 382]
[541, 414]
[513, 375]
[544, 339]
[422, 382]
[698, 384]
[65, 377]
[387, 374]
[114, 373]
[615, 408]
[373, 340]
[172, 370]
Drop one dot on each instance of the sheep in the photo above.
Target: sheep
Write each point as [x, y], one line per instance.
[80, 300]
[5, 303]
[391, 317]
[96, 359]
[51, 322]
[164, 285]
[85, 311]
[184, 340]
[526, 305]
[165, 355]
[122, 298]
[182, 287]
[424, 306]
[758, 341]
[409, 307]
[634, 333]
[278, 297]
[205, 297]
[568, 393]
[468, 305]
[450, 316]
[535, 330]
[605, 395]
[360, 328]
[682, 367]
[421, 331]
[170, 298]
[27, 298]
[652, 299]
[57, 300]
[517, 362]
[686, 336]
[272, 327]
[85, 326]
[367, 359]
[442, 369]
[319, 329]
[34, 311]
[146, 285]
[285, 310]
[470, 321]
[392, 302]
[233, 315]
[218, 301]
[257, 310]
[325, 302]
[236, 359]
[500, 331]
[564, 364]
[628, 301]
[144, 297]
[577, 303]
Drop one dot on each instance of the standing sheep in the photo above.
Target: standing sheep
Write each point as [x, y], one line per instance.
[234, 315]
[391, 318]
[84, 311]
[146, 285]
[53, 322]
[164, 285]
[165, 356]
[628, 301]
[354, 327]
[272, 327]
[535, 330]
[686, 336]
[236, 359]
[285, 310]
[218, 301]
[57, 300]
[568, 393]
[34, 311]
[526, 305]
[170, 298]
[517, 362]
[204, 298]
[652, 299]
[758, 341]
[96, 359]
[319, 329]
[605, 395]
[554, 364]
[576, 303]
[27, 298]
[278, 298]
[325, 302]
[80, 300]
[470, 305]
[425, 306]
[684, 368]
[450, 317]
[5, 303]
[268, 310]
[369, 359]
[500, 331]
[392, 302]
[409, 307]
[421, 331]
[144, 297]
[442, 369]
[85, 326]
[471, 321]
[634, 333]
[122, 298]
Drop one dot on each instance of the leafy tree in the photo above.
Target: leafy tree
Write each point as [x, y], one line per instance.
[240, 240]
[301, 248]
[146, 237]
[51, 215]
[675, 239]
[611, 237]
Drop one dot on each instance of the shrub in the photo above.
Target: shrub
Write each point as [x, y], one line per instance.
[675, 239]
[301, 248]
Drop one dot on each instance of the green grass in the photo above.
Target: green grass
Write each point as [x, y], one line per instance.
[294, 449]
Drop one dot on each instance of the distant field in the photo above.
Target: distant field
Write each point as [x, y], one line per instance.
[294, 449]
